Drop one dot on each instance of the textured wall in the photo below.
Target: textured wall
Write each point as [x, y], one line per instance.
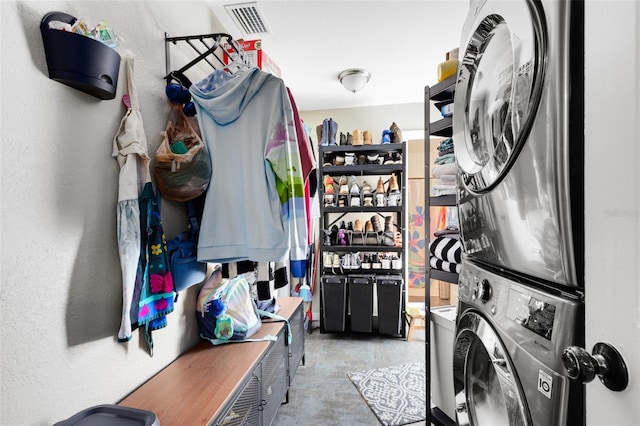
[61, 294]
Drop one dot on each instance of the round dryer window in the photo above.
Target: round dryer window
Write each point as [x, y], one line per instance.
[498, 89]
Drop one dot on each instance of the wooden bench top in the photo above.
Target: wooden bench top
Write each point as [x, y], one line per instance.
[192, 389]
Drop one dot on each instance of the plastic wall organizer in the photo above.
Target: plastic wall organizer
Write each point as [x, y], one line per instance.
[78, 61]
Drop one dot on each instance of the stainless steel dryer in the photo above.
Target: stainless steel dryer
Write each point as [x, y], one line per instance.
[518, 136]
[507, 365]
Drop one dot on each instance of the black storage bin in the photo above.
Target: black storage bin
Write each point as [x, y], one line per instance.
[389, 290]
[361, 303]
[334, 301]
[78, 61]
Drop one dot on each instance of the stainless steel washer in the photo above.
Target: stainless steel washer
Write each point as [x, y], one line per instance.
[507, 366]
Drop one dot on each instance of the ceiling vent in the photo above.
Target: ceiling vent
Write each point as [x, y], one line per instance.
[248, 18]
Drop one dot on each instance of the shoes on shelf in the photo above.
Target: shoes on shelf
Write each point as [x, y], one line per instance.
[343, 139]
[398, 239]
[327, 237]
[396, 262]
[393, 184]
[373, 159]
[349, 139]
[389, 224]
[342, 237]
[334, 235]
[366, 137]
[394, 197]
[368, 226]
[396, 133]
[366, 261]
[375, 222]
[366, 188]
[342, 200]
[380, 186]
[333, 132]
[328, 185]
[327, 259]
[335, 261]
[349, 159]
[338, 160]
[357, 137]
[354, 187]
[388, 158]
[329, 191]
[375, 261]
[343, 187]
[386, 136]
[362, 159]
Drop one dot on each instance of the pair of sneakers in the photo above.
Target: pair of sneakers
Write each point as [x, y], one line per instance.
[350, 261]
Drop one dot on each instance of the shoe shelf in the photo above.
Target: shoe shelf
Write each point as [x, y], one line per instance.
[367, 169]
[376, 147]
[363, 238]
[364, 209]
[357, 248]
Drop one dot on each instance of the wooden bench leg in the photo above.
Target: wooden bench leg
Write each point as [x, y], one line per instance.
[413, 326]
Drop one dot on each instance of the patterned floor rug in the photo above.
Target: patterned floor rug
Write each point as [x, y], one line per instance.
[396, 395]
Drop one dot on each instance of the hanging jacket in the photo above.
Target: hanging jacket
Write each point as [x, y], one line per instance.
[254, 207]
[147, 285]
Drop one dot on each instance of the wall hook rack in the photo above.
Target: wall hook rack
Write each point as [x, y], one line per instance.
[211, 48]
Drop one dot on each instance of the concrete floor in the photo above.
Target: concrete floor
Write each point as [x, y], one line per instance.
[322, 394]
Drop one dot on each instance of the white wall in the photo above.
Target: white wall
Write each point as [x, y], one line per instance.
[612, 200]
[61, 292]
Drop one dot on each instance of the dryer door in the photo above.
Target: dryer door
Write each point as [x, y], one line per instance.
[498, 89]
[486, 386]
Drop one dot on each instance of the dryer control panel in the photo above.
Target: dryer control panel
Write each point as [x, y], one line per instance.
[531, 313]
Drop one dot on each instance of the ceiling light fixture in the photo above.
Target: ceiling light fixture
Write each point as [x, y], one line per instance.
[354, 79]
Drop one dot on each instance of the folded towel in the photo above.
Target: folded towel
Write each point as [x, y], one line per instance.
[444, 169]
[438, 192]
[445, 143]
[446, 180]
[441, 265]
[445, 151]
[444, 159]
[449, 231]
[445, 248]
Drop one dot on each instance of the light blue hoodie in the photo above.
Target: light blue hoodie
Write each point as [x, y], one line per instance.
[254, 208]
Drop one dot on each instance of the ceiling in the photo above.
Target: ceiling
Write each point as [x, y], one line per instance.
[399, 42]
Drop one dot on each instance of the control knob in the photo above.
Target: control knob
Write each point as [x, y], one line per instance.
[482, 291]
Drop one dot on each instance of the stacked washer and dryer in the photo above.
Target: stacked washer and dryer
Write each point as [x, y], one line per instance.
[518, 135]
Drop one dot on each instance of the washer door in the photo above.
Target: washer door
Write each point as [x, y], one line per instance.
[486, 387]
[498, 89]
